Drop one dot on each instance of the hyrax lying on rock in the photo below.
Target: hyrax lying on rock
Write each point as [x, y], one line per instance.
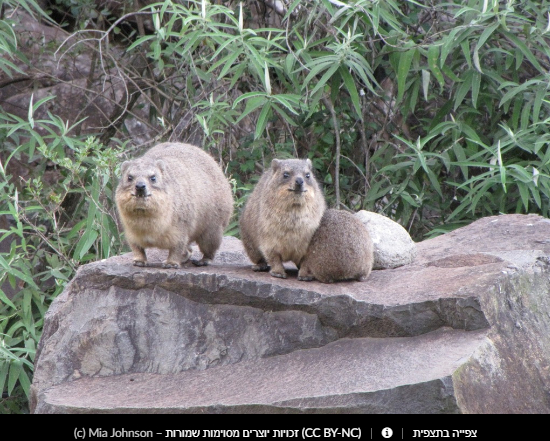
[174, 195]
[281, 215]
[340, 249]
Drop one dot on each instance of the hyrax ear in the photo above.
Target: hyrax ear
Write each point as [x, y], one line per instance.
[309, 163]
[124, 167]
[276, 164]
[160, 165]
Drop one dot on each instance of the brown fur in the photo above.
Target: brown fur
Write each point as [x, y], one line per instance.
[172, 196]
[281, 215]
[340, 249]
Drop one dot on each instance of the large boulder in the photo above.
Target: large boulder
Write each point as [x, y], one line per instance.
[465, 328]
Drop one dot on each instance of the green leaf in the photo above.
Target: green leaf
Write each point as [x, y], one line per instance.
[525, 51]
[448, 44]
[7, 301]
[476, 84]
[449, 72]
[140, 41]
[317, 65]
[25, 382]
[501, 167]
[526, 115]
[408, 198]
[4, 368]
[520, 173]
[463, 89]
[523, 192]
[482, 39]
[350, 86]
[425, 83]
[537, 103]
[481, 192]
[247, 96]
[228, 60]
[20, 275]
[85, 243]
[252, 104]
[465, 46]
[326, 76]
[404, 67]
[283, 115]
[433, 63]
[16, 366]
[237, 74]
[289, 101]
[512, 92]
[262, 120]
[59, 275]
[536, 196]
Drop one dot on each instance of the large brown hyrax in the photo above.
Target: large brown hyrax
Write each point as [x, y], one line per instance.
[281, 214]
[173, 195]
[340, 249]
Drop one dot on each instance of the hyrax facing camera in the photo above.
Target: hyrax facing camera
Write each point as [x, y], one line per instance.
[175, 194]
[340, 249]
[281, 215]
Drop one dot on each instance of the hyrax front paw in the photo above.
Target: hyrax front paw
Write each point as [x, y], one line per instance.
[140, 263]
[167, 264]
[261, 267]
[279, 275]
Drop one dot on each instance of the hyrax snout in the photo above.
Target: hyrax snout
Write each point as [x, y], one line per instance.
[281, 215]
[173, 195]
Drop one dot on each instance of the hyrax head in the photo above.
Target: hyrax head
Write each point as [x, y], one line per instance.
[294, 175]
[141, 177]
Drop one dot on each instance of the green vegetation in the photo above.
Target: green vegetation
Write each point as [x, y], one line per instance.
[432, 113]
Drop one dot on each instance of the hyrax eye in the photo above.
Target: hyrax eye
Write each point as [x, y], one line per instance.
[130, 178]
[153, 178]
[286, 175]
[307, 175]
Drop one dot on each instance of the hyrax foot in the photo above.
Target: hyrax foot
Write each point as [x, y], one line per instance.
[261, 267]
[279, 275]
[201, 262]
[140, 263]
[167, 264]
[306, 278]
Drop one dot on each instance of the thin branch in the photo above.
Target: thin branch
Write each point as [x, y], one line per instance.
[330, 107]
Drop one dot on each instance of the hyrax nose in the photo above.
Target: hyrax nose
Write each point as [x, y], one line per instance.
[299, 181]
[140, 187]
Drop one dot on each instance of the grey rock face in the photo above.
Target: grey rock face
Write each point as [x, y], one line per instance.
[465, 328]
[393, 246]
[72, 76]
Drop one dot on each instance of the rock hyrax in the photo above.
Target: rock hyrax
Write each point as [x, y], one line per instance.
[175, 194]
[340, 249]
[281, 215]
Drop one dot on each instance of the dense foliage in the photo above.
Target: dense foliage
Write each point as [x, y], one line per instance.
[432, 113]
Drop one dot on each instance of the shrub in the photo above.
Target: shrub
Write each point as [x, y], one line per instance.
[54, 226]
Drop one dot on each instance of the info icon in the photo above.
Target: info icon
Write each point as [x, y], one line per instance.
[387, 432]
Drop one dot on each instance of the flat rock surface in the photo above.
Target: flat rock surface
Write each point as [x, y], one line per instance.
[354, 373]
[454, 264]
